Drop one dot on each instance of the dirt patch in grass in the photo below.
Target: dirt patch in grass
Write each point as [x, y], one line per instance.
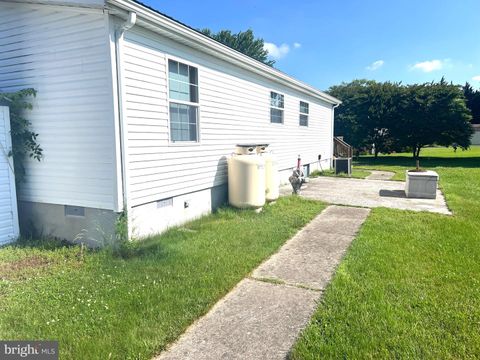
[23, 268]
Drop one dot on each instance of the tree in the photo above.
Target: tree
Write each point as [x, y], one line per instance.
[393, 116]
[386, 102]
[243, 41]
[351, 116]
[435, 114]
[367, 112]
[472, 98]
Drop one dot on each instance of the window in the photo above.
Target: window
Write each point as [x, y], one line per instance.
[303, 121]
[276, 108]
[183, 93]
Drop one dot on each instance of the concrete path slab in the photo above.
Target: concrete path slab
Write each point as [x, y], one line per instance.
[368, 193]
[261, 319]
[380, 175]
[309, 259]
[257, 320]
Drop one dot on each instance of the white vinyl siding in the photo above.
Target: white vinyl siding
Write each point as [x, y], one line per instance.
[63, 53]
[235, 108]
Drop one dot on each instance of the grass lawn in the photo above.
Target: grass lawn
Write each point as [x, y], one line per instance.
[434, 157]
[409, 287]
[100, 306]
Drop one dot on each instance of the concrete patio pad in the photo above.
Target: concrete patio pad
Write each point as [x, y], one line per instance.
[260, 318]
[368, 193]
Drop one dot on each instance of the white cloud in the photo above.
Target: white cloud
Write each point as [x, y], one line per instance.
[276, 52]
[476, 78]
[375, 65]
[297, 45]
[431, 65]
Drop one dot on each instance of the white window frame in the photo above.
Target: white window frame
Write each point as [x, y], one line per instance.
[172, 142]
[307, 114]
[275, 107]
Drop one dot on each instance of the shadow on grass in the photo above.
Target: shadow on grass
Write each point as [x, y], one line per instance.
[464, 162]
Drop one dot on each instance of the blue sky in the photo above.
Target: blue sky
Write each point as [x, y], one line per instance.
[326, 42]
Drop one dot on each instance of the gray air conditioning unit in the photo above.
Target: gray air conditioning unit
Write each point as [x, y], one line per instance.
[343, 165]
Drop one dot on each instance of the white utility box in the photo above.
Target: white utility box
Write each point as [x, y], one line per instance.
[421, 184]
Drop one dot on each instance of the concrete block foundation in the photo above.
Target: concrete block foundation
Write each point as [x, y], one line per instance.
[95, 227]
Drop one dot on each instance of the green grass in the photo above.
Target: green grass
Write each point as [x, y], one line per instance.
[100, 306]
[434, 157]
[356, 173]
[409, 286]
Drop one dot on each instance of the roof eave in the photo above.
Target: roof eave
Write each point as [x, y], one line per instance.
[220, 50]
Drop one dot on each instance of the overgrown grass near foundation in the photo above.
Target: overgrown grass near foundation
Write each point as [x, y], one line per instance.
[101, 306]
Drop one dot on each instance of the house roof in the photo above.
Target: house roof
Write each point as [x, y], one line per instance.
[158, 22]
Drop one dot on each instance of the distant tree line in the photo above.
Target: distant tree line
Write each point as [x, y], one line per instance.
[390, 116]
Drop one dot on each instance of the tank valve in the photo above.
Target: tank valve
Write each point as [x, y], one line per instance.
[297, 179]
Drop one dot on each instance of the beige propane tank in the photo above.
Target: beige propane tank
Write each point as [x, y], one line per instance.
[272, 177]
[246, 178]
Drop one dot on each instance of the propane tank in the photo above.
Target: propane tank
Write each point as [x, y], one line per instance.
[246, 178]
[272, 177]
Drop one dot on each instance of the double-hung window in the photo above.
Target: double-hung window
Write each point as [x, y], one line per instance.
[276, 107]
[183, 94]
[303, 120]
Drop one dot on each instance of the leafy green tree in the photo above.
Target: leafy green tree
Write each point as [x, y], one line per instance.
[472, 98]
[435, 114]
[386, 102]
[243, 41]
[351, 116]
[24, 139]
[397, 117]
[367, 112]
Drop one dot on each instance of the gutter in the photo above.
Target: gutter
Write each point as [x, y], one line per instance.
[72, 4]
[166, 25]
[127, 25]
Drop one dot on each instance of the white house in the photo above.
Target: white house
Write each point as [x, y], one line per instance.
[137, 111]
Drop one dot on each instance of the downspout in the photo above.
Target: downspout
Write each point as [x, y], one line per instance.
[332, 136]
[128, 24]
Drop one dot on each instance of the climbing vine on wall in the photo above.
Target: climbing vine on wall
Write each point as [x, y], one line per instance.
[24, 140]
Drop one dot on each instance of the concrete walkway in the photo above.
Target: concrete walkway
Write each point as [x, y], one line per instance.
[380, 175]
[263, 315]
[367, 193]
